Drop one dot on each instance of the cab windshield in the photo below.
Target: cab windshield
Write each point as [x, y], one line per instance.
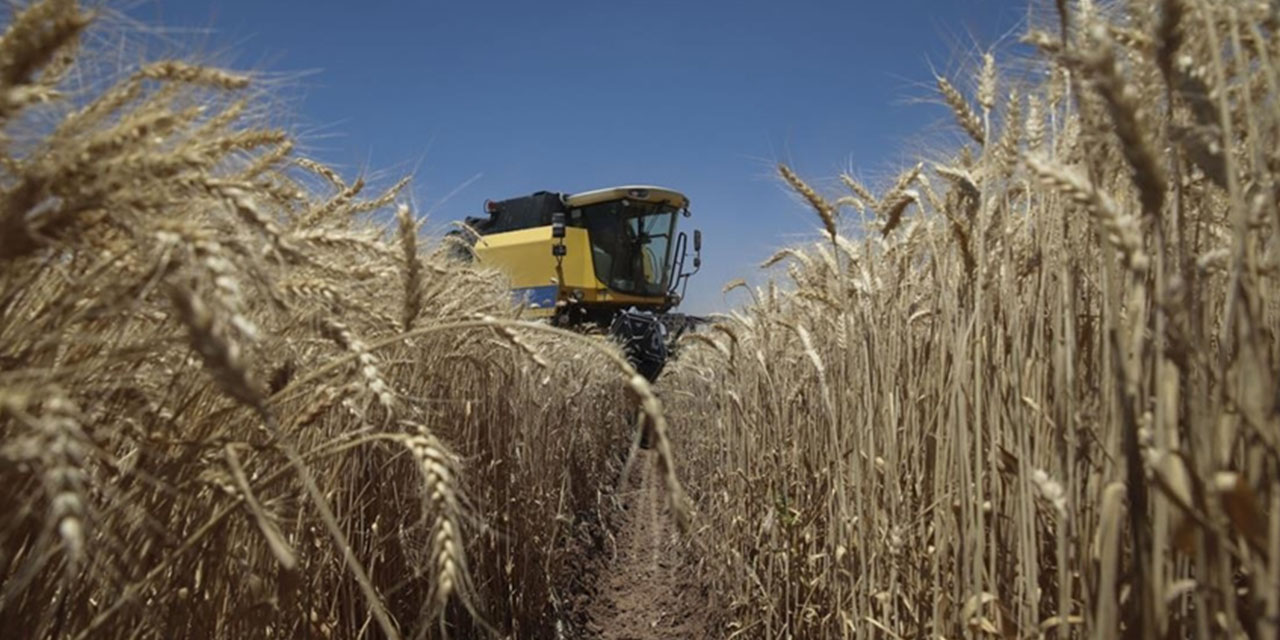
[630, 244]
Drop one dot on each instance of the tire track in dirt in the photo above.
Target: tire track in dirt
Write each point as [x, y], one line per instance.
[644, 593]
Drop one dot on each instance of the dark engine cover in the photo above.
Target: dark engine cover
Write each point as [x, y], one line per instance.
[514, 214]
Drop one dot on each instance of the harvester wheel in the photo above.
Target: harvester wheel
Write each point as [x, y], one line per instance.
[644, 339]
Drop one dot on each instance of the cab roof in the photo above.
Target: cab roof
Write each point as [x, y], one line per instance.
[642, 193]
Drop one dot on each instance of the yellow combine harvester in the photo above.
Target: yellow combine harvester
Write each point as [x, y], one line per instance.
[609, 258]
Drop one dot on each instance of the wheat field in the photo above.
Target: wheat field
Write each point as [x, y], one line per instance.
[240, 398]
[1034, 392]
[1026, 389]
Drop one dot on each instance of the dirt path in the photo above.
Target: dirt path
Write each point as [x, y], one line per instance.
[643, 592]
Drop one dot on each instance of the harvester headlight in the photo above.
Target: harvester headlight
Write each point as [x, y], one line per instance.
[557, 224]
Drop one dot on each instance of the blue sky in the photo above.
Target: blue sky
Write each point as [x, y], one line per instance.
[498, 99]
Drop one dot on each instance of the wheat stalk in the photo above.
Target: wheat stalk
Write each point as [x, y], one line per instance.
[408, 233]
[823, 208]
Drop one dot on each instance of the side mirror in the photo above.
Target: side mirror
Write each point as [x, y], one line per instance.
[697, 241]
[557, 224]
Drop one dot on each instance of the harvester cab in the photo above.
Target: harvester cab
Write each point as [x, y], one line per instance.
[610, 258]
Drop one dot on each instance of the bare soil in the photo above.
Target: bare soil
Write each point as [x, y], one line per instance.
[644, 591]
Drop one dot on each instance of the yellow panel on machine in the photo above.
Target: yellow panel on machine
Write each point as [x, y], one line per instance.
[525, 256]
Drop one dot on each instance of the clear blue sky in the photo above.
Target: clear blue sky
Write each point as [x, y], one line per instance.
[503, 99]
